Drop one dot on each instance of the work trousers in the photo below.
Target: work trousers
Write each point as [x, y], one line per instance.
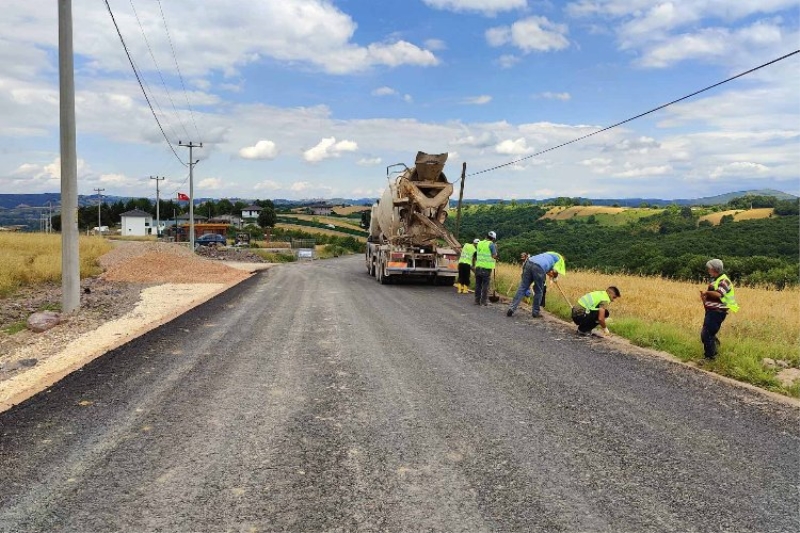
[711, 324]
[482, 279]
[528, 274]
[589, 321]
[464, 271]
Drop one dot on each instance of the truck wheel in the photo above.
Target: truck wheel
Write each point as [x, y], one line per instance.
[383, 279]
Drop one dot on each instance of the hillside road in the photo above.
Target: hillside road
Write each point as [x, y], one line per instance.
[311, 398]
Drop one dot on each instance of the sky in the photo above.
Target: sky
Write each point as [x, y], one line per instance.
[302, 99]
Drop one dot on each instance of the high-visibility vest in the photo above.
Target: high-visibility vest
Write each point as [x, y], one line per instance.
[591, 301]
[466, 253]
[485, 259]
[560, 267]
[728, 300]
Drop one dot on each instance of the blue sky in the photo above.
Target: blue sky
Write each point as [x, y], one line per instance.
[314, 99]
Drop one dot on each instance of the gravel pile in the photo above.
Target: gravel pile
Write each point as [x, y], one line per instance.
[164, 263]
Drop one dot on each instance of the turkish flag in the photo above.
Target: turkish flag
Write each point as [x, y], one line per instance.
[182, 196]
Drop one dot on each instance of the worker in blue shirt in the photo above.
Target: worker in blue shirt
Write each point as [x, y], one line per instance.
[536, 269]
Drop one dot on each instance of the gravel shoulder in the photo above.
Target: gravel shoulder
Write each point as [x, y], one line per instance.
[143, 286]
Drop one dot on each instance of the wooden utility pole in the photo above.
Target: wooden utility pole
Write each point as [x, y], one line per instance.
[460, 198]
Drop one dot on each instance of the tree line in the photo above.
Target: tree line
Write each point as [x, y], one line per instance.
[111, 212]
[670, 243]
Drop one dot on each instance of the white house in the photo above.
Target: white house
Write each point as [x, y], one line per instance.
[137, 222]
[251, 211]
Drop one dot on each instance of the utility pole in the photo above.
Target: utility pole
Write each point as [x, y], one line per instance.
[460, 197]
[192, 163]
[158, 213]
[70, 269]
[99, 203]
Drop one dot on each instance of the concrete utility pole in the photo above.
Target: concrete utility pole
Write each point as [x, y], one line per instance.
[190, 145]
[158, 213]
[99, 203]
[70, 269]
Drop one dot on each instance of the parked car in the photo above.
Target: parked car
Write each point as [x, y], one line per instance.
[211, 239]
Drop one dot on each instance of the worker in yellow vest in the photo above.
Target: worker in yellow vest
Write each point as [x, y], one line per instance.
[466, 264]
[592, 310]
[717, 299]
[485, 260]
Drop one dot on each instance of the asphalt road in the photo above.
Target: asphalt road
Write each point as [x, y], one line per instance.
[311, 398]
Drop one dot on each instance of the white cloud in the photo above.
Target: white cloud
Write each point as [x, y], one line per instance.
[435, 45]
[555, 96]
[327, 148]
[531, 34]
[267, 185]
[262, 150]
[408, 98]
[307, 187]
[484, 140]
[508, 60]
[114, 179]
[478, 100]
[513, 147]
[369, 162]
[210, 184]
[639, 172]
[383, 91]
[739, 168]
[487, 7]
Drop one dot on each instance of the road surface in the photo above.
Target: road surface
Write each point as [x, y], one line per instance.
[311, 398]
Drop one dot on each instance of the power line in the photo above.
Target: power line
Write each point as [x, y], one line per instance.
[639, 115]
[185, 93]
[160, 75]
[139, 79]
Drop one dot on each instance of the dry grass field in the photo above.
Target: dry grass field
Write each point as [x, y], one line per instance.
[667, 315]
[565, 213]
[318, 231]
[31, 258]
[344, 211]
[343, 222]
[738, 214]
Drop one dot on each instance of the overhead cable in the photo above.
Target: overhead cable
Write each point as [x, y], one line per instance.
[185, 93]
[139, 79]
[158, 69]
[639, 115]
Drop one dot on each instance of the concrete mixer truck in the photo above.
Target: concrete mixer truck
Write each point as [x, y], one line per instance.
[407, 237]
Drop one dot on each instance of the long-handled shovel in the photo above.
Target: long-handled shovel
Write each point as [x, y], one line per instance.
[562, 294]
[494, 298]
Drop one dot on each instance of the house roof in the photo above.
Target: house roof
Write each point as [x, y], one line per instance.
[136, 213]
[252, 208]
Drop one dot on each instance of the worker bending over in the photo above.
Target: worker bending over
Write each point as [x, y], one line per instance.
[536, 269]
[592, 309]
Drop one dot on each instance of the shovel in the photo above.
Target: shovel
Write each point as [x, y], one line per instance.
[562, 294]
[494, 298]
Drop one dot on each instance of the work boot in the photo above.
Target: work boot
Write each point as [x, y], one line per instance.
[509, 312]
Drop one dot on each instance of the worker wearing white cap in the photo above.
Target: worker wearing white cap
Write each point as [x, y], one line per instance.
[485, 261]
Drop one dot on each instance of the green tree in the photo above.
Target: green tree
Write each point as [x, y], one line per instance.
[267, 218]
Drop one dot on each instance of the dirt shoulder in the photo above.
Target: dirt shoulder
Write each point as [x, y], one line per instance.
[143, 286]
